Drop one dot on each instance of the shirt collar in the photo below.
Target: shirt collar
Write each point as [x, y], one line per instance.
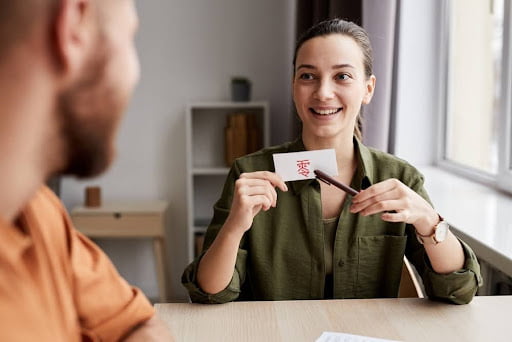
[363, 176]
[365, 162]
[14, 240]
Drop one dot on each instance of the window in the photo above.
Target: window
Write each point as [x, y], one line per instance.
[477, 92]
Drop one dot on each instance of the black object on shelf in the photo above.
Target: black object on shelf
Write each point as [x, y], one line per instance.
[240, 89]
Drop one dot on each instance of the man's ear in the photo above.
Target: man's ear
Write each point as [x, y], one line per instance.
[370, 87]
[72, 33]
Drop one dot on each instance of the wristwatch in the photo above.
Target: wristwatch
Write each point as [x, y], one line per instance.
[438, 235]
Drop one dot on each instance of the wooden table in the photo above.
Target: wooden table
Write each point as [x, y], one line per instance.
[128, 220]
[410, 319]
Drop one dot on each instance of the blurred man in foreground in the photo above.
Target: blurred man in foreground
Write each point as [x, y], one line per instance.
[67, 71]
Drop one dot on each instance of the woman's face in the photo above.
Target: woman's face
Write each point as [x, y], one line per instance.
[330, 85]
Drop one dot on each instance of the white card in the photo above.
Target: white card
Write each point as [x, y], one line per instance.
[300, 165]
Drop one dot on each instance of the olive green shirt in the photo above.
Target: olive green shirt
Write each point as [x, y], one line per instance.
[282, 256]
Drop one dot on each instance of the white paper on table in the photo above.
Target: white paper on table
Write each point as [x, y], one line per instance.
[294, 166]
[328, 336]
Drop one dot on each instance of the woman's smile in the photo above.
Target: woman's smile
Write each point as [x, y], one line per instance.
[325, 111]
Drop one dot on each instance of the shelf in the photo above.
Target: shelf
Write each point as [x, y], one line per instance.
[206, 124]
[210, 171]
[202, 222]
[200, 229]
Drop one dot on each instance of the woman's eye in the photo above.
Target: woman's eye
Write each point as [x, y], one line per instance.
[306, 76]
[342, 77]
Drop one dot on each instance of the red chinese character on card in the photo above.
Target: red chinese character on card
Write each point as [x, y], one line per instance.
[303, 167]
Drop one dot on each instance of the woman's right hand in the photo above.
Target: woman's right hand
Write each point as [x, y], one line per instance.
[253, 192]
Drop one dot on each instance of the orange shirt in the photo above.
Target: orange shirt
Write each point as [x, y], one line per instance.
[57, 285]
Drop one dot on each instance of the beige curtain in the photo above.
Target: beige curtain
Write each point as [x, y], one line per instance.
[380, 19]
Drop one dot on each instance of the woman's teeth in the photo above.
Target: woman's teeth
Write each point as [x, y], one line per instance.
[325, 111]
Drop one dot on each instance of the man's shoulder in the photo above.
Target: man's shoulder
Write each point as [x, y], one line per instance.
[47, 218]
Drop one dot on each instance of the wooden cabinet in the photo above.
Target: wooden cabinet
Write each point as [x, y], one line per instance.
[128, 220]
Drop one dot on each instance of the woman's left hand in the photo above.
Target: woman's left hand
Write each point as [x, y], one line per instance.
[397, 203]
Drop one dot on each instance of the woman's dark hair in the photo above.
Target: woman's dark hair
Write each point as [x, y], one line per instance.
[349, 29]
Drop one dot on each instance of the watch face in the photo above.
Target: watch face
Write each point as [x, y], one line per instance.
[441, 231]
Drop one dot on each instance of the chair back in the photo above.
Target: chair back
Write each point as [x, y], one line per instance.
[410, 286]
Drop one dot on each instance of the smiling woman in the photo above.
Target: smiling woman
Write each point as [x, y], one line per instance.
[329, 86]
[306, 240]
[349, 34]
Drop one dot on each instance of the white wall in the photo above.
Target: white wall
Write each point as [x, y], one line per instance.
[418, 71]
[189, 49]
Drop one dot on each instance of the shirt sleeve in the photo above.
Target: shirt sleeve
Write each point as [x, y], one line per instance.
[189, 277]
[107, 306]
[458, 287]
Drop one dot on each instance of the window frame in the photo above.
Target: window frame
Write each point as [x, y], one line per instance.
[503, 179]
[505, 140]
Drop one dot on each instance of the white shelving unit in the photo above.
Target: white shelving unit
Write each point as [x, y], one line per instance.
[206, 167]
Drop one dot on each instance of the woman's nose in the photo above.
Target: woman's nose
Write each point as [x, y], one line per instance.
[324, 91]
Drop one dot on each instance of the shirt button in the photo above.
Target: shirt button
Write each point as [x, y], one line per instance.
[341, 263]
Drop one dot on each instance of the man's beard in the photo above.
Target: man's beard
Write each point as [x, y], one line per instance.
[89, 112]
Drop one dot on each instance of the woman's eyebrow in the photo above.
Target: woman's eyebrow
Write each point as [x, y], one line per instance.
[340, 66]
[306, 66]
[336, 66]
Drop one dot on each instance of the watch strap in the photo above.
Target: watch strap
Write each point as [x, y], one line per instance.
[430, 238]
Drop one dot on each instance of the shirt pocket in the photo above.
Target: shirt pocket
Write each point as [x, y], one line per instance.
[379, 265]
